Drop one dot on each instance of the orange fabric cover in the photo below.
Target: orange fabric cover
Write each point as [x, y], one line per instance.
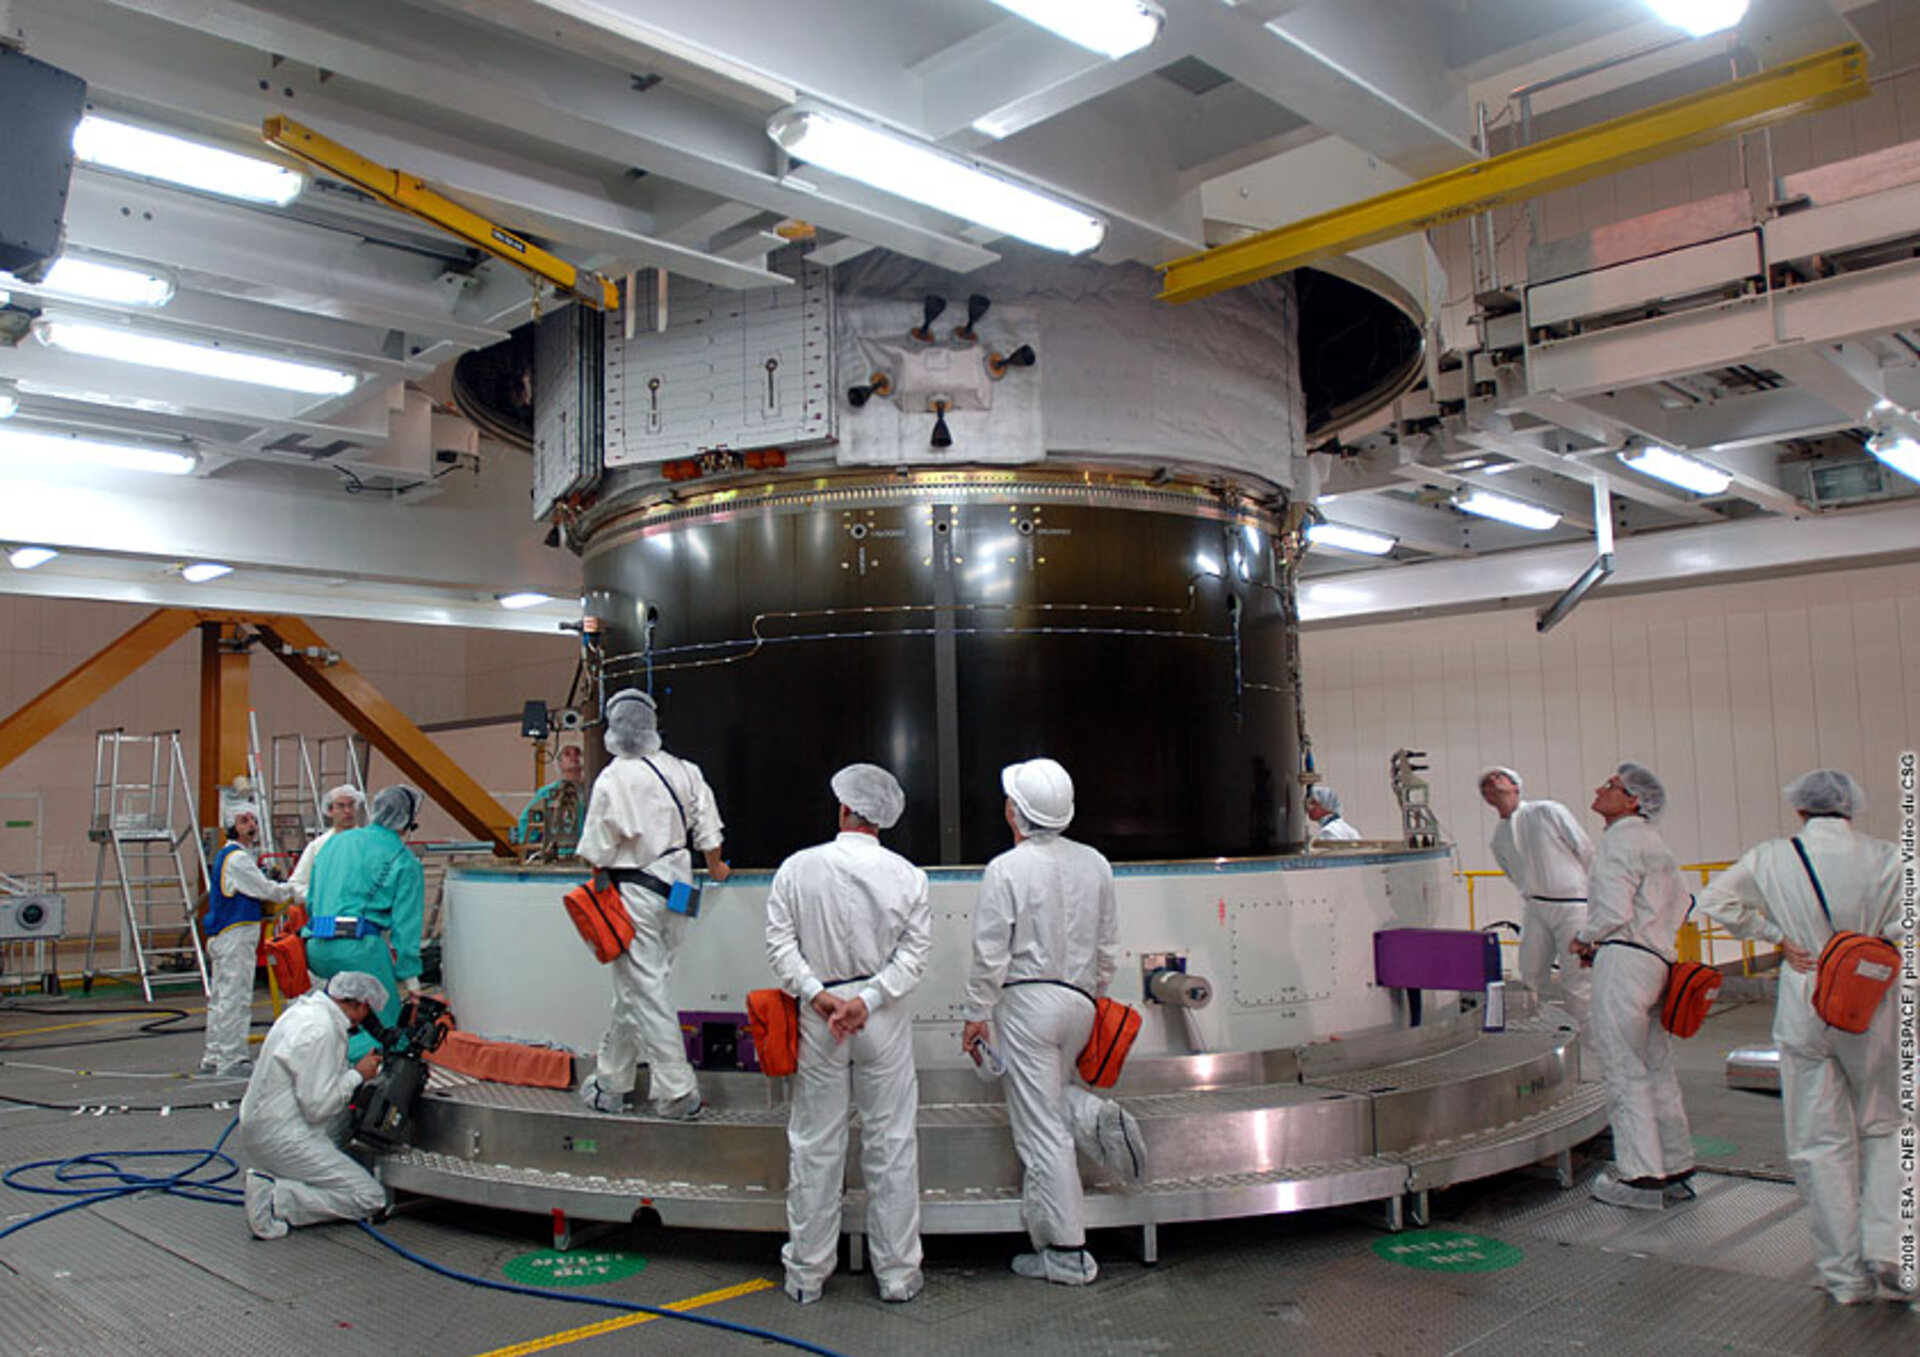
[504, 1062]
[1115, 1025]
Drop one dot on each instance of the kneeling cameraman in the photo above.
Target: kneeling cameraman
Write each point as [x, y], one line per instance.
[295, 1107]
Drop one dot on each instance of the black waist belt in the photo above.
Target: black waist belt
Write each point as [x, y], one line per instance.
[639, 876]
[1637, 946]
[1561, 899]
[1009, 984]
[850, 980]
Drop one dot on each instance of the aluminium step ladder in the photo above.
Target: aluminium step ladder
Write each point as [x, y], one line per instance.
[149, 835]
[304, 769]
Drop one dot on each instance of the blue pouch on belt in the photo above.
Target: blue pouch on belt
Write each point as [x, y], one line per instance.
[341, 926]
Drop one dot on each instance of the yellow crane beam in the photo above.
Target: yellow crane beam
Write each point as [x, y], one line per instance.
[410, 194]
[91, 679]
[1747, 104]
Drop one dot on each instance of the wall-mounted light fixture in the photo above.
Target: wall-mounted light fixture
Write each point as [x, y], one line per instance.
[1113, 28]
[146, 154]
[1344, 538]
[202, 571]
[1676, 468]
[200, 360]
[26, 558]
[912, 169]
[1516, 512]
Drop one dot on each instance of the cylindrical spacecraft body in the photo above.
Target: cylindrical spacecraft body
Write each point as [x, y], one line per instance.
[1087, 568]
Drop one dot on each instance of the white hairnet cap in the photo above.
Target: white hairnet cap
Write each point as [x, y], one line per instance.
[358, 985]
[1644, 788]
[633, 724]
[1040, 790]
[353, 794]
[1826, 791]
[1506, 773]
[871, 792]
[395, 808]
[1326, 796]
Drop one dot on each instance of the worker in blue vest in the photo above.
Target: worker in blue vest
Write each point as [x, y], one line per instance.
[239, 896]
[365, 906]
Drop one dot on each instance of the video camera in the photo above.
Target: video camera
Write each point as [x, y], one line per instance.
[383, 1106]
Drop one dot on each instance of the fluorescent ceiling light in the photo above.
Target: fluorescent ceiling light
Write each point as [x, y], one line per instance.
[51, 451]
[1351, 539]
[26, 558]
[202, 360]
[1113, 28]
[525, 599]
[1489, 505]
[1899, 451]
[1689, 473]
[1699, 17]
[87, 280]
[913, 170]
[202, 571]
[134, 150]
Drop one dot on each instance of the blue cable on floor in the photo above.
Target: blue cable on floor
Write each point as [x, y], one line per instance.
[101, 1177]
[631, 1307]
[93, 1178]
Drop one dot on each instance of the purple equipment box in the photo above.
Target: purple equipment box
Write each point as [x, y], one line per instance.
[719, 1041]
[1435, 958]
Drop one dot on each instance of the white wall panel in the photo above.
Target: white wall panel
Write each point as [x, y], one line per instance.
[1727, 691]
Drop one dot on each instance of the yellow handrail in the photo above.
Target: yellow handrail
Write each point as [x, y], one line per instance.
[1694, 942]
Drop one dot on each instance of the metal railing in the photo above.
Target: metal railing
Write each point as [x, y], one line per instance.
[1694, 942]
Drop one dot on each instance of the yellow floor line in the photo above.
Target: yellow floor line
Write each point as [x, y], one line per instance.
[91, 1022]
[627, 1321]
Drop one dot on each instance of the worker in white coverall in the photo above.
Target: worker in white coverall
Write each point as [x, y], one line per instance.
[294, 1107]
[241, 897]
[1636, 903]
[346, 808]
[1840, 1088]
[647, 810]
[1547, 856]
[848, 930]
[1045, 944]
[1323, 808]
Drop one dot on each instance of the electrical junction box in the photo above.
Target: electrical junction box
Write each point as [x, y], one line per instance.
[32, 918]
[40, 106]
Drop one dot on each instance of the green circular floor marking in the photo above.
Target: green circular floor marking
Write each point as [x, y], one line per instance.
[1712, 1147]
[1448, 1251]
[579, 1267]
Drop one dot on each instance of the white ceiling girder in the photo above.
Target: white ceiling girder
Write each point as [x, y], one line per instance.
[1622, 416]
[1527, 448]
[494, 546]
[462, 71]
[1745, 330]
[121, 385]
[1003, 82]
[275, 260]
[182, 71]
[1750, 547]
[1363, 70]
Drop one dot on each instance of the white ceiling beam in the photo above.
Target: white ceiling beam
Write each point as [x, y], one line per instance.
[487, 545]
[1527, 448]
[1755, 547]
[1363, 70]
[459, 74]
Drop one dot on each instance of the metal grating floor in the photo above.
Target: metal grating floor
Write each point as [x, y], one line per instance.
[155, 1274]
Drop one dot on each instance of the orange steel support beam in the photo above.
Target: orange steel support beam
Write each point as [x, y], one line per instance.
[91, 679]
[224, 671]
[359, 703]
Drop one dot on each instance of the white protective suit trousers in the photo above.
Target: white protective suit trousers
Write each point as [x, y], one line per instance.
[645, 1024]
[1042, 1030]
[1546, 933]
[1650, 1134]
[314, 1179]
[1842, 1112]
[874, 1069]
[230, 958]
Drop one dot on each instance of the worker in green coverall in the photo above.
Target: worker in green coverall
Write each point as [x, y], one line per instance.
[371, 875]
